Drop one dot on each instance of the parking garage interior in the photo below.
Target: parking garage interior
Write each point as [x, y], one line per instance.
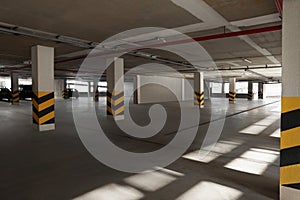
[136, 100]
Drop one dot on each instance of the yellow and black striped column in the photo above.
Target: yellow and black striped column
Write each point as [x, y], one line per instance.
[199, 98]
[199, 89]
[115, 103]
[42, 59]
[96, 96]
[290, 117]
[250, 96]
[115, 88]
[65, 94]
[43, 108]
[15, 97]
[290, 143]
[232, 96]
[232, 90]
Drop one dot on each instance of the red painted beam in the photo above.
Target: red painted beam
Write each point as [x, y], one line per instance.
[279, 5]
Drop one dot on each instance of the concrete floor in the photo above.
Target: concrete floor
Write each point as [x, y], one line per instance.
[55, 165]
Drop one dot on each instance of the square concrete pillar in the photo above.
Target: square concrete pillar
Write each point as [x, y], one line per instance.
[15, 88]
[115, 89]
[199, 89]
[260, 90]
[232, 90]
[43, 87]
[290, 113]
[250, 91]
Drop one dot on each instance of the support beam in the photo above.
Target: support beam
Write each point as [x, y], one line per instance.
[250, 91]
[290, 117]
[15, 88]
[199, 89]
[115, 89]
[260, 90]
[232, 90]
[43, 87]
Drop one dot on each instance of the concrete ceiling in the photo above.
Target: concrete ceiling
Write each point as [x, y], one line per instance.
[96, 20]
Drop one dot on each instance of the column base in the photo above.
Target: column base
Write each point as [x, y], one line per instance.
[45, 127]
[116, 117]
[287, 193]
[232, 102]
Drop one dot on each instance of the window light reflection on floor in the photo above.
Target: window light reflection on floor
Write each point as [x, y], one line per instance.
[150, 181]
[210, 191]
[207, 156]
[259, 126]
[254, 161]
[276, 133]
[112, 192]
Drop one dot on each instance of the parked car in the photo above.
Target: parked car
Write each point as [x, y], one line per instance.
[5, 93]
[73, 93]
[25, 91]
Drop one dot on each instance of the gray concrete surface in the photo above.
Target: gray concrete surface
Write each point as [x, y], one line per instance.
[56, 165]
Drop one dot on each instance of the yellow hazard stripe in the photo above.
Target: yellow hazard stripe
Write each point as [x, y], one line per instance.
[289, 104]
[290, 138]
[290, 174]
[116, 102]
[121, 109]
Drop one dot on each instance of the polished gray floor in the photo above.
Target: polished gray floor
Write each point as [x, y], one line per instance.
[244, 164]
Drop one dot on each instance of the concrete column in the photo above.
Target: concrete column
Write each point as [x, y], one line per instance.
[182, 89]
[199, 89]
[115, 89]
[223, 88]
[96, 91]
[65, 94]
[42, 59]
[137, 83]
[89, 89]
[250, 91]
[260, 90]
[15, 88]
[232, 90]
[290, 117]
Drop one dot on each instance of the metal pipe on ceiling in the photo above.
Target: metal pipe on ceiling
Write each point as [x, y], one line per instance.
[73, 42]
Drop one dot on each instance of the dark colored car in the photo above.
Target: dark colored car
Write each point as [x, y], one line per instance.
[25, 91]
[5, 93]
[73, 93]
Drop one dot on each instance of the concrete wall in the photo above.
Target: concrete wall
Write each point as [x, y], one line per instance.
[160, 89]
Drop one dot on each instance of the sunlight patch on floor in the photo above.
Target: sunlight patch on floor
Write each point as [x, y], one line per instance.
[217, 150]
[211, 191]
[150, 181]
[276, 133]
[112, 192]
[259, 126]
[254, 161]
